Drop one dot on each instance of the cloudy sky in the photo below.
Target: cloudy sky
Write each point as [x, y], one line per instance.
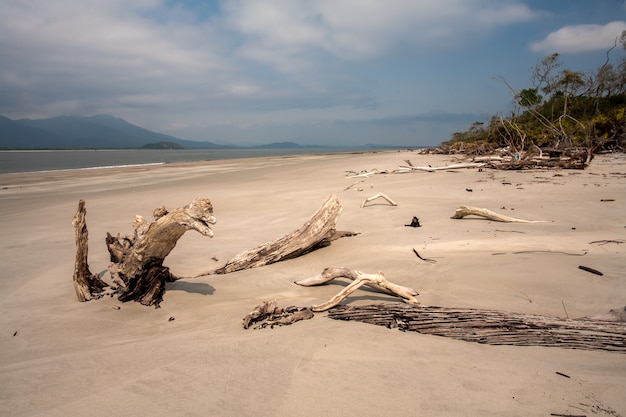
[341, 72]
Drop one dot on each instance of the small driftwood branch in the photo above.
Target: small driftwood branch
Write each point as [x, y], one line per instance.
[362, 174]
[315, 233]
[495, 327]
[379, 195]
[463, 211]
[375, 281]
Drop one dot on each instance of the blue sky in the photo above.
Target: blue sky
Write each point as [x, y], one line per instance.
[336, 72]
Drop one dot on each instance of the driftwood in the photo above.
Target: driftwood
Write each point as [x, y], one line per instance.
[463, 211]
[87, 285]
[379, 195]
[375, 281]
[315, 233]
[462, 165]
[495, 327]
[269, 314]
[137, 261]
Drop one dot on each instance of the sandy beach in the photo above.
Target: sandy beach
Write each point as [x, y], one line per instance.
[192, 357]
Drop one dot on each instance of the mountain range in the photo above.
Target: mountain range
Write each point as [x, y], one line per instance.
[95, 132]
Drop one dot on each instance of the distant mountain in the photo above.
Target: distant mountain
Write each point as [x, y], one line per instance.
[80, 132]
[284, 145]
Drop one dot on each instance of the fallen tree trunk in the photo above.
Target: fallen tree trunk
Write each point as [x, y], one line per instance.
[137, 261]
[315, 233]
[493, 327]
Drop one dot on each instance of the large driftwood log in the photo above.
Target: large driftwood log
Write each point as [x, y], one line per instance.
[137, 261]
[493, 327]
[375, 281]
[463, 211]
[315, 233]
[87, 285]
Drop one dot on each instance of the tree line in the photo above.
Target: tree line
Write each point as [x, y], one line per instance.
[562, 109]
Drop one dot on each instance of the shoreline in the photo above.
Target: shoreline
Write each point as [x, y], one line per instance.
[61, 357]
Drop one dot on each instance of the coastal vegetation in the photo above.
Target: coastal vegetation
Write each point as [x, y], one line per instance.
[562, 109]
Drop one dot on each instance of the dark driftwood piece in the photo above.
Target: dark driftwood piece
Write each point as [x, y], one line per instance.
[495, 327]
[87, 285]
[315, 233]
[137, 261]
[269, 314]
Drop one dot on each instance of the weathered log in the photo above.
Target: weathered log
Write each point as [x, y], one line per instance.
[138, 261]
[88, 286]
[463, 211]
[315, 233]
[494, 327]
[375, 281]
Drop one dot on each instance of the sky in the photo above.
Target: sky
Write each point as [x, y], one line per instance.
[329, 72]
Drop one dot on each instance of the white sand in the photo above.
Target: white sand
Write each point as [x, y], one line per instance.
[59, 357]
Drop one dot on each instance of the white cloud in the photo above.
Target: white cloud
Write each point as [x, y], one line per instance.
[282, 30]
[580, 38]
[200, 62]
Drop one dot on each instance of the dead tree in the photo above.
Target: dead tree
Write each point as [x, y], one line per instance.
[87, 285]
[605, 332]
[315, 233]
[137, 268]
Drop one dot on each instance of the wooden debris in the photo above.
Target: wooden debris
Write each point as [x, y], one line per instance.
[379, 195]
[137, 261]
[424, 259]
[463, 211]
[491, 327]
[415, 222]
[593, 271]
[462, 165]
[269, 314]
[87, 285]
[375, 281]
[604, 242]
[315, 233]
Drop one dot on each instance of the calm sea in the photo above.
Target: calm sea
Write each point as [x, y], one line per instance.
[53, 160]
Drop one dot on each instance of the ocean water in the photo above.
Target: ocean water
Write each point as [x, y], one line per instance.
[56, 160]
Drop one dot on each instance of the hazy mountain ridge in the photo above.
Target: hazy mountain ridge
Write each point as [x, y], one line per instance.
[84, 132]
[110, 132]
